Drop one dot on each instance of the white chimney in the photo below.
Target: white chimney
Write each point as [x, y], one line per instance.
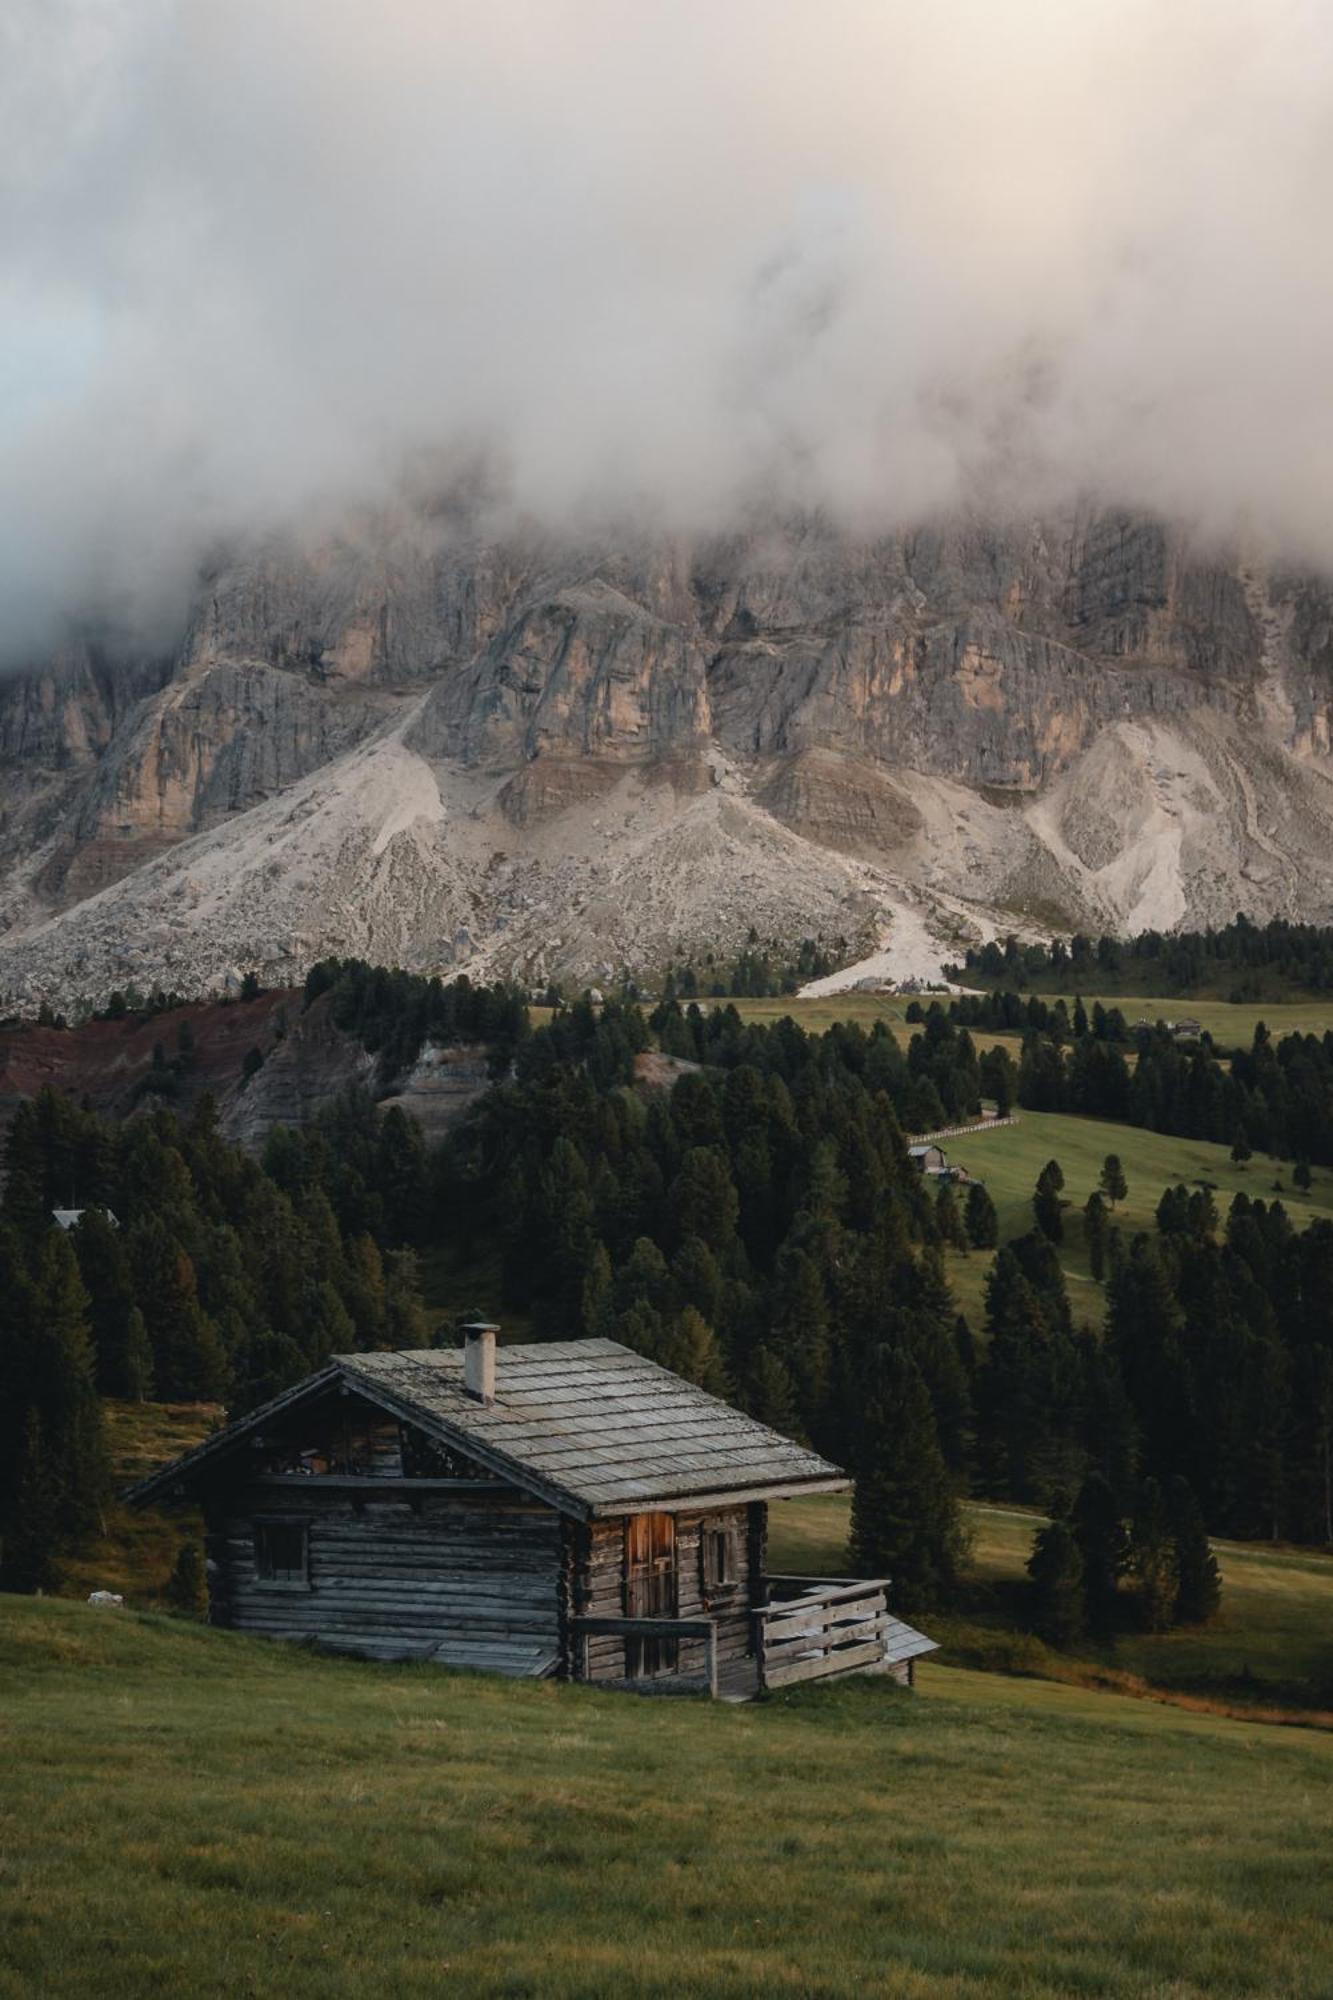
[479, 1360]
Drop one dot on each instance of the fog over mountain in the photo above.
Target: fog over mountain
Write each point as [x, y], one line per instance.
[269, 260]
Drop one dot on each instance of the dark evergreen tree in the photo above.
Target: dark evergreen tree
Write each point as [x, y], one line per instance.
[948, 1218]
[1198, 1578]
[63, 1388]
[1055, 1587]
[136, 1362]
[981, 1221]
[1153, 1559]
[1112, 1181]
[1096, 1230]
[1047, 1207]
[32, 1527]
[691, 1349]
[905, 1520]
[771, 1395]
[1103, 1546]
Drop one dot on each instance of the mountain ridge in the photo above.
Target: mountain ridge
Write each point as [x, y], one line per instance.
[524, 757]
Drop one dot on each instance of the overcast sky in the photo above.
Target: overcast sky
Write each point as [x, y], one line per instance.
[681, 256]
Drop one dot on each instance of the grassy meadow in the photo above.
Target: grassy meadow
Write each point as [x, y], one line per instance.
[192, 1812]
[1009, 1158]
[135, 1552]
[1231, 1025]
[1270, 1645]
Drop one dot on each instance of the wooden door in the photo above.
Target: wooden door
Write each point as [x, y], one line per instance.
[650, 1590]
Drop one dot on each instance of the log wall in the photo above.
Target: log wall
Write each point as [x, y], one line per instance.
[469, 1581]
[595, 1586]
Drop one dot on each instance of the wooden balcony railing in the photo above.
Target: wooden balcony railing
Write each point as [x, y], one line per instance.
[820, 1625]
[584, 1629]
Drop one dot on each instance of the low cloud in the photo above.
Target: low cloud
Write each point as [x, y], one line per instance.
[673, 258]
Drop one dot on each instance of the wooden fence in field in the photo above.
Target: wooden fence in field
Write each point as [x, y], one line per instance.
[960, 1131]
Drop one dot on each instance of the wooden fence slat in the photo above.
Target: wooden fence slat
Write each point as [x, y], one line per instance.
[788, 1673]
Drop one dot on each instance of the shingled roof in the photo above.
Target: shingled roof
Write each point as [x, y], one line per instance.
[589, 1425]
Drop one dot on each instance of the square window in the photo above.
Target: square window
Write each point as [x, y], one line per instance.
[718, 1566]
[282, 1553]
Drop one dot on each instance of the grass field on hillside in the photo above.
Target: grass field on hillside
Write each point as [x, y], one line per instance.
[136, 1552]
[1009, 1158]
[863, 1008]
[1271, 1642]
[1230, 1025]
[194, 1813]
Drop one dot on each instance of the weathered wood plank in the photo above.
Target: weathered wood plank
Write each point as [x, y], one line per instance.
[788, 1673]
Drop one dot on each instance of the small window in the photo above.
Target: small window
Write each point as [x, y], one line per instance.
[719, 1568]
[281, 1553]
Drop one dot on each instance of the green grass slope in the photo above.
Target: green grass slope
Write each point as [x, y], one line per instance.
[189, 1812]
[1009, 1158]
[1270, 1645]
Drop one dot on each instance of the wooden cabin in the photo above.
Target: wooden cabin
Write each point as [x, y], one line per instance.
[929, 1159]
[568, 1508]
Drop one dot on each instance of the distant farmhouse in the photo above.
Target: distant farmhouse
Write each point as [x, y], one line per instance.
[70, 1218]
[932, 1161]
[568, 1508]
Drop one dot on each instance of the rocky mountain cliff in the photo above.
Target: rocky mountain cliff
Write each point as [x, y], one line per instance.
[428, 746]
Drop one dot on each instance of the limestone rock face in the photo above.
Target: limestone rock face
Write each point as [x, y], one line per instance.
[428, 742]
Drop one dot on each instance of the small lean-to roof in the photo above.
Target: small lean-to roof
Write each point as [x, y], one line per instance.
[904, 1642]
[589, 1425]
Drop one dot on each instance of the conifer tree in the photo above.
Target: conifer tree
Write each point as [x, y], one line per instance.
[1112, 1180]
[1153, 1556]
[697, 1279]
[406, 1324]
[980, 1219]
[64, 1389]
[948, 1219]
[640, 1327]
[1095, 1228]
[1103, 1546]
[905, 1520]
[691, 1350]
[1055, 1589]
[31, 1532]
[1047, 1206]
[188, 1361]
[105, 1270]
[703, 1201]
[799, 1329]
[1199, 1581]
[597, 1309]
[771, 1394]
[136, 1360]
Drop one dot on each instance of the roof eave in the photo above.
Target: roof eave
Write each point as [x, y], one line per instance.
[216, 1447]
[158, 1485]
[713, 1496]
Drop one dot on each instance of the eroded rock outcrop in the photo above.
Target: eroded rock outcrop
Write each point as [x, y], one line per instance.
[431, 744]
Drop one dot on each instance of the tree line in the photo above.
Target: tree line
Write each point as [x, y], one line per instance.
[193, 1274]
[1273, 1097]
[755, 973]
[1252, 961]
[749, 1216]
[1215, 1363]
